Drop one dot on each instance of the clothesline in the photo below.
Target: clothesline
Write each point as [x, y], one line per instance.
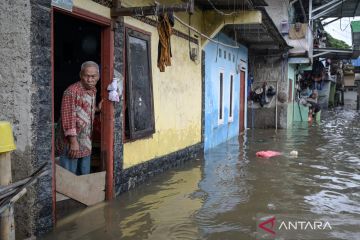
[200, 33]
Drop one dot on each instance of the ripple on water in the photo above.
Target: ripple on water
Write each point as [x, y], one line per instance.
[220, 198]
[331, 202]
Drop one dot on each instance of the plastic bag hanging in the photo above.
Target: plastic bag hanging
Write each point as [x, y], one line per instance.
[113, 93]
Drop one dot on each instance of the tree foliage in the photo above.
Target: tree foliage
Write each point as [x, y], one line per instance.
[335, 43]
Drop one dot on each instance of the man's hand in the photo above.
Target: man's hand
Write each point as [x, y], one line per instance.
[74, 146]
[99, 106]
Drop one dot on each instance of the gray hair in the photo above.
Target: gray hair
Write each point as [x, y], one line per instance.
[89, 64]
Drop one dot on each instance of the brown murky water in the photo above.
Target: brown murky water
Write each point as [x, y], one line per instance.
[218, 197]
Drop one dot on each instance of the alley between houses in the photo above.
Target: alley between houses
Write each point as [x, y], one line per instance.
[220, 195]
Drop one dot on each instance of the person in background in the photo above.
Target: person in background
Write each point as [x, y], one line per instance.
[78, 107]
[314, 107]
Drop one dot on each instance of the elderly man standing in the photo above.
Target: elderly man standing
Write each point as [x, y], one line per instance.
[73, 143]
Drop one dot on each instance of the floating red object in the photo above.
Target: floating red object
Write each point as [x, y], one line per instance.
[267, 154]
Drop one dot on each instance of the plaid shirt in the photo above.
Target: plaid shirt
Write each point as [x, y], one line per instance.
[77, 115]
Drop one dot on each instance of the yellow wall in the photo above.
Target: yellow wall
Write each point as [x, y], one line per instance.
[177, 97]
[213, 23]
[93, 7]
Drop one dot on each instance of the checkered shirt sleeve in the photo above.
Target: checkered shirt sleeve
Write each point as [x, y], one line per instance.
[68, 114]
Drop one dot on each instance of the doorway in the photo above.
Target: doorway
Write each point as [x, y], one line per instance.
[242, 102]
[78, 37]
[76, 41]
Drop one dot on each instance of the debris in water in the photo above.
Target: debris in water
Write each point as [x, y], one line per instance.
[294, 153]
[267, 154]
[271, 206]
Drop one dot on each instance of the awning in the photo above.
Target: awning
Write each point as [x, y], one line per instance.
[329, 8]
[259, 37]
[338, 8]
[334, 53]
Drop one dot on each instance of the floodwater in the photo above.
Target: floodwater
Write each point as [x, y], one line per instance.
[220, 195]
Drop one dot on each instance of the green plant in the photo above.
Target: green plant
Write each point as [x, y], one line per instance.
[332, 42]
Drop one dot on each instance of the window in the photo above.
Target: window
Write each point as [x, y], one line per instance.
[224, 54]
[233, 57]
[231, 98]
[221, 102]
[139, 110]
[220, 51]
[230, 57]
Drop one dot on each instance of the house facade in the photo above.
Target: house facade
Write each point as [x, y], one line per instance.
[157, 124]
[282, 67]
[176, 93]
[225, 90]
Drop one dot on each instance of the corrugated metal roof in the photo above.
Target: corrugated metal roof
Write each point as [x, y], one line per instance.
[348, 8]
[334, 53]
[343, 8]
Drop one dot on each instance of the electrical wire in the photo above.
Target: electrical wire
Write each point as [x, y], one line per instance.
[197, 31]
[219, 11]
[203, 35]
[342, 3]
[346, 25]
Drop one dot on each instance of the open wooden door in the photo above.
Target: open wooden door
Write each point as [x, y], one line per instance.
[80, 36]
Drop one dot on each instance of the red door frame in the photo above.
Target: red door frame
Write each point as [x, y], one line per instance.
[242, 102]
[107, 113]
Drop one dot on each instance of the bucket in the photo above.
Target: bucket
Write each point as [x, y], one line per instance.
[6, 137]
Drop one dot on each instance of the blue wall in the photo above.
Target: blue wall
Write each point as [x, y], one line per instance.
[217, 131]
[356, 62]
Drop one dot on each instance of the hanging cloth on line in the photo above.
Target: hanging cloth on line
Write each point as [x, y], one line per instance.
[165, 24]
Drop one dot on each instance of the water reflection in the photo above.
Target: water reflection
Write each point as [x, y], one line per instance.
[218, 197]
[225, 184]
[162, 209]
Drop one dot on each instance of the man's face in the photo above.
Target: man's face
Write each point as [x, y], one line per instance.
[89, 77]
